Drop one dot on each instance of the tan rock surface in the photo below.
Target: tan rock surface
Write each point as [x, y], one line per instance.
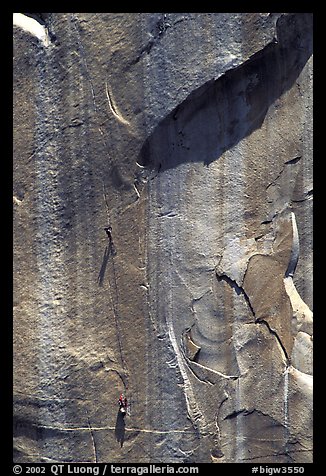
[191, 136]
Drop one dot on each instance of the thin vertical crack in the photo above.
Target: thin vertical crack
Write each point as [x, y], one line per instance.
[74, 21]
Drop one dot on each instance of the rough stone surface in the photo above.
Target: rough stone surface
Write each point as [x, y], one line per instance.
[191, 136]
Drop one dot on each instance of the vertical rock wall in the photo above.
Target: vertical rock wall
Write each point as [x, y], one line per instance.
[191, 136]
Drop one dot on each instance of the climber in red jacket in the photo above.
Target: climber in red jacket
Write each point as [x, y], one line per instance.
[121, 400]
[123, 403]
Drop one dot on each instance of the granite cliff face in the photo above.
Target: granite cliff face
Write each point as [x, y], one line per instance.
[191, 136]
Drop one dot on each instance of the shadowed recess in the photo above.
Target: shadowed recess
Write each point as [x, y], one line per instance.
[220, 113]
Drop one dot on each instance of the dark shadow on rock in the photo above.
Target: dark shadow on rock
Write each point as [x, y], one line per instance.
[40, 17]
[101, 274]
[219, 114]
[109, 250]
[120, 428]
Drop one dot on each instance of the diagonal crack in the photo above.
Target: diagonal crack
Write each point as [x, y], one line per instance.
[239, 290]
[236, 413]
[288, 162]
[277, 337]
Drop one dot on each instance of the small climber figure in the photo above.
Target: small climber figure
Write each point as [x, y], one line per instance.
[123, 403]
[108, 230]
[121, 400]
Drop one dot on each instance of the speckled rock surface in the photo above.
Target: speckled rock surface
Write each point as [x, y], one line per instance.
[191, 136]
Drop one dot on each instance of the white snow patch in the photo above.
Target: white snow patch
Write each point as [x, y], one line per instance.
[32, 26]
